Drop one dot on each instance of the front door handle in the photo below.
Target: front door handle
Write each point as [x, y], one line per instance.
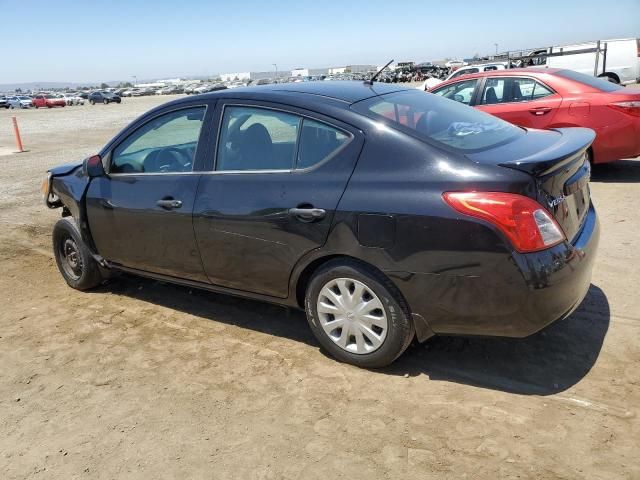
[540, 111]
[108, 204]
[169, 204]
[307, 213]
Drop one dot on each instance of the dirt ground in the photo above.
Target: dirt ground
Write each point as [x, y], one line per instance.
[145, 380]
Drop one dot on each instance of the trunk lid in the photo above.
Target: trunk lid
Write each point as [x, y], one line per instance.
[557, 160]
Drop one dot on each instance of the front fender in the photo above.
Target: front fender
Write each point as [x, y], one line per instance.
[70, 183]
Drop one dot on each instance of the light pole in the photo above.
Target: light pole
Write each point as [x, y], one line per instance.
[135, 79]
[276, 66]
[496, 49]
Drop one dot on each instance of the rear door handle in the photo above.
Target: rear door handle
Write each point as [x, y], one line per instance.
[308, 213]
[540, 110]
[169, 204]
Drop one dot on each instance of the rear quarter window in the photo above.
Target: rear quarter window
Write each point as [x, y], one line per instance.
[440, 121]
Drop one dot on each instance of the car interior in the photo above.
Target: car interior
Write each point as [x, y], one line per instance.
[177, 158]
[254, 148]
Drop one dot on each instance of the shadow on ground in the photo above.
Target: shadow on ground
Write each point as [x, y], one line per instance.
[548, 362]
[620, 171]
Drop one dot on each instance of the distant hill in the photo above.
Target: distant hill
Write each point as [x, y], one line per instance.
[10, 87]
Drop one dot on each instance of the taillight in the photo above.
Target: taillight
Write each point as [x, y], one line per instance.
[631, 107]
[638, 46]
[524, 221]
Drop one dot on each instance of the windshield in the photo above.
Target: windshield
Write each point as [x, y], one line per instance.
[593, 82]
[439, 120]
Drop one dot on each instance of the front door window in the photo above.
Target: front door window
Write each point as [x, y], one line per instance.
[166, 144]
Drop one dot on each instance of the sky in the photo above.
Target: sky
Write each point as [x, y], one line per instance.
[97, 40]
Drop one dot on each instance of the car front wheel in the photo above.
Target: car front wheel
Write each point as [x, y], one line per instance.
[105, 101]
[357, 314]
[75, 262]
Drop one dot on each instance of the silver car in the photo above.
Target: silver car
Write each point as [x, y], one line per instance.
[19, 101]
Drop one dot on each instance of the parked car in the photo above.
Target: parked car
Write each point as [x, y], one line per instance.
[48, 100]
[71, 98]
[171, 90]
[19, 101]
[3, 102]
[77, 97]
[554, 98]
[486, 67]
[132, 92]
[385, 213]
[189, 88]
[102, 96]
[210, 87]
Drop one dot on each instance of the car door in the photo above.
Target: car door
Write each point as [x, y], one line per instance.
[277, 179]
[523, 101]
[140, 213]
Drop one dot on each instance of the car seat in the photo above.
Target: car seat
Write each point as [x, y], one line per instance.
[490, 96]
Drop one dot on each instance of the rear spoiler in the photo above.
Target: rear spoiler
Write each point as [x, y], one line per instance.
[571, 146]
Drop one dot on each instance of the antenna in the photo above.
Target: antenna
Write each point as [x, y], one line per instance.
[375, 75]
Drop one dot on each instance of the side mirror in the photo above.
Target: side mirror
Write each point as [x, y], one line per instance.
[93, 166]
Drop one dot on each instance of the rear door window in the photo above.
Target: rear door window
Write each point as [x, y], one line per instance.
[460, 91]
[438, 120]
[254, 138]
[512, 89]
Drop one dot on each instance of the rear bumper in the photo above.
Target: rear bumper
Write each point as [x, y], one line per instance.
[526, 294]
[617, 141]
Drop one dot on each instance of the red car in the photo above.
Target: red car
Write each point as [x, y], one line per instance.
[46, 100]
[555, 98]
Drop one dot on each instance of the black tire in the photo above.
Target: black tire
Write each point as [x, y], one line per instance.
[105, 101]
[75, 262]
[400, 328]
[610, 78]
[92, 102]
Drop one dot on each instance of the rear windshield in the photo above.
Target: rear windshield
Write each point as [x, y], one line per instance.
[593, 82]
[439, 120]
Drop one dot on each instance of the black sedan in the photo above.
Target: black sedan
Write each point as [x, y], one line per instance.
[103, 96]
[387, 214]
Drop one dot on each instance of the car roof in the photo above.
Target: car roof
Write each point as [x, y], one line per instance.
[535, 72]
[348, 91]
[531, 71]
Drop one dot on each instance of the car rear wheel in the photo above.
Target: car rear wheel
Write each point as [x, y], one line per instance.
[92, 102]
[357, 314]
[75, 262]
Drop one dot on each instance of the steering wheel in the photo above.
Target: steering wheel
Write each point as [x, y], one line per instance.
[172, 159]
[458, 98]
